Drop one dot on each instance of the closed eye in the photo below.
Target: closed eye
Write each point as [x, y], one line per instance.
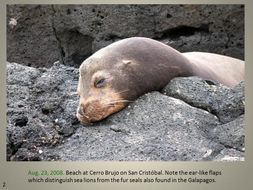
[100, 83]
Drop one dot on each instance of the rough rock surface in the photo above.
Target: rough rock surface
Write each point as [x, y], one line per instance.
[42, 123]
[39, 35]
[227, 104]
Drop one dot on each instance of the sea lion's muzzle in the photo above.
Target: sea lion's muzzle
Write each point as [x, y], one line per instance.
[92, 111]
[80, 114]
[80, 110]
[89, 112]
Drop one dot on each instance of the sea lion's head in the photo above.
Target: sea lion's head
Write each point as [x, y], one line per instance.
[104, 87]
[120, 73]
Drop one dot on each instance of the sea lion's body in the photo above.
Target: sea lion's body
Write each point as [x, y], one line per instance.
[129, 68]
[223, 69]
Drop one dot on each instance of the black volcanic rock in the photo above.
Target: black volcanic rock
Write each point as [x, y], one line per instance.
[38, 35]
[41, 106]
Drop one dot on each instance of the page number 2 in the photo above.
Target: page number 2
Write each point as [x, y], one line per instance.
[4, 184]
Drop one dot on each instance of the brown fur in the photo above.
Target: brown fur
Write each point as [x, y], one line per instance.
[132, 67]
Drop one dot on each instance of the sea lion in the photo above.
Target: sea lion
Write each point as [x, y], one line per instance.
[121, 72]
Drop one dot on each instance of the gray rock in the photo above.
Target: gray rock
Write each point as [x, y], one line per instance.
[24, 154]
[36, 102]
[21, 75]
[230, 155]
[30, 35]
[227, 104]
[154, 127]
[42, 125]
[39, 35]
[231, 135]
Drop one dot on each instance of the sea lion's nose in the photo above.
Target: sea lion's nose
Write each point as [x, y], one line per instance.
[81, 109]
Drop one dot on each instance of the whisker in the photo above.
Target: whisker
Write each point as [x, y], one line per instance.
[121, 92]
[118, 101]
[87, 117]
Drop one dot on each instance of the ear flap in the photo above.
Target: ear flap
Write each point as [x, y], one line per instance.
[126, 62]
